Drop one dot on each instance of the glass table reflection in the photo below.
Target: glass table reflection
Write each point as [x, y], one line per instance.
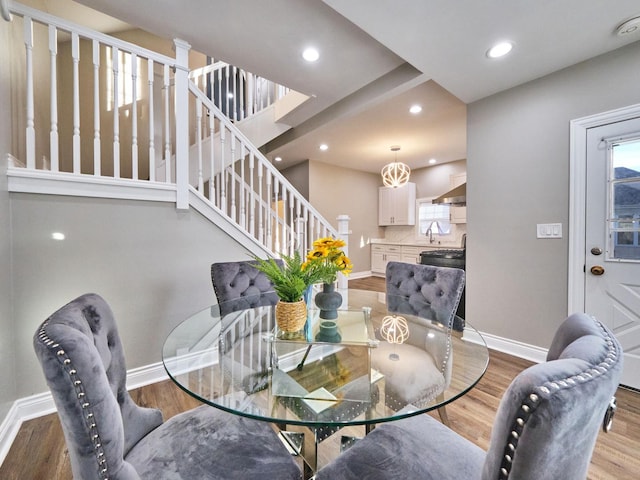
[372, 366]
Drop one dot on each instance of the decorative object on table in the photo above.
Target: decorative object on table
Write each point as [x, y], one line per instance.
[394, 330]
[328, 301]
[291, 278]
[328, 332]
[328, 259]
[395, 174]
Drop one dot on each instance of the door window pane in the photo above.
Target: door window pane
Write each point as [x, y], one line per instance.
[624, 221]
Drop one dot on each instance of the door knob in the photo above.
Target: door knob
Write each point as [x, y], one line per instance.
[597, 270]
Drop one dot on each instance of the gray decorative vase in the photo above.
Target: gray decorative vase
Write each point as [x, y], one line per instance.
[328, 301]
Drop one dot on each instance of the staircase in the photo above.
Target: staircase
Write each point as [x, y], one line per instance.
[128, 122]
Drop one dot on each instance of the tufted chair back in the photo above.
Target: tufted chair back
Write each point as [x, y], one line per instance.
[83, 362]
[239, 286]
[545, 428]
[548, 421]
[424, 290]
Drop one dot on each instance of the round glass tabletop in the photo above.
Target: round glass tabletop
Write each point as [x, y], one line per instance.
[376, 366]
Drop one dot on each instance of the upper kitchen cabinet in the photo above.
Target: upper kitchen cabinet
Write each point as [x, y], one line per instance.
[397, 206]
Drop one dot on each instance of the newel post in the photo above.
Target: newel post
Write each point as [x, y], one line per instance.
[343, 234]
[181, 99]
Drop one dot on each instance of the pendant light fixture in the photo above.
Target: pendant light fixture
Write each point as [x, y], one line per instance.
[395, 174]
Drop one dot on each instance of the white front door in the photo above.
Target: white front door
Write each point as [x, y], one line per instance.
[612, 236]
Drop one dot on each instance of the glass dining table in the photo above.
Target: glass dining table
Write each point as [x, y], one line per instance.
[376, 362]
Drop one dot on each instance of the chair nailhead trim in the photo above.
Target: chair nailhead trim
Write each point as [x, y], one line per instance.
[80, 394]
[532, 400]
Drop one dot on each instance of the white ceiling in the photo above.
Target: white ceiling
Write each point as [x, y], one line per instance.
[380, 56]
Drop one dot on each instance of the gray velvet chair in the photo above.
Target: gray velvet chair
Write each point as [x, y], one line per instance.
[425, 291]
[240, 286]
[545, 428]
[433, 293]
[110, 437]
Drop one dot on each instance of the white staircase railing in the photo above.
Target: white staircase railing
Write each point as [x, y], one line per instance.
[238, 94]
[96, 106]
[233, 175]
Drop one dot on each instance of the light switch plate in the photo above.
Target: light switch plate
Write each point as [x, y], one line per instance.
[549, 230]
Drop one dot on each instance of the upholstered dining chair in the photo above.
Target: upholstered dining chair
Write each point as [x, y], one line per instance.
[425, 291]
[110, 437]
[432, 293]
[240, 286]
[545, 427]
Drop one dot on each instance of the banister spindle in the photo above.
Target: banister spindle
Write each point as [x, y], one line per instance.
[167, 125]
[75, 53]
[298, 230]
[268, 221]
[242, 189]
[241, 92]
[232, 176]
[219, 103]
[261, 230]
[212, 149]
[97, 167]
[152, 131]
[199, 142]
[251, 85]
[291, 225]
[30, 134]
[226, 98]
[134, 116]
[234, 98]
[53, 134]
[252, 197]
[115, 65]
[223, 172]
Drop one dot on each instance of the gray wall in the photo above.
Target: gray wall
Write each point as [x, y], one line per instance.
[7, 379]
[434, 181]
[151, 264]
[518, 174]
[336, 191]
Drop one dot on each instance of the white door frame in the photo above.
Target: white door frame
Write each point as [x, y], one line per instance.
[577, 196]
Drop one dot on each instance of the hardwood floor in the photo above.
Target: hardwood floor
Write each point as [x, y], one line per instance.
[39, 451]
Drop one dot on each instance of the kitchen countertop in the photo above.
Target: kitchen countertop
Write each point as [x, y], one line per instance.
[426, 245]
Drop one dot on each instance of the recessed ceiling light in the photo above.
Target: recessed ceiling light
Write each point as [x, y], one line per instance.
[499, 50]
[311, 54]
[57, 236]
[415, 109]
[278, 159]
[324, 147]
[432, 161]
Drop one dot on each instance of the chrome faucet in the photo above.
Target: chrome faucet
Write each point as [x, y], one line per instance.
[429, 233]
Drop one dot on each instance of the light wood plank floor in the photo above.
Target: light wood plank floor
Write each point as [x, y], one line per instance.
[39, 451]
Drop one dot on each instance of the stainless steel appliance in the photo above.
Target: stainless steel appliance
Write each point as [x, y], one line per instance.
[448, 258]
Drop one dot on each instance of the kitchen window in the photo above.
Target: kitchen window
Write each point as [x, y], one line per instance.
[432, 215]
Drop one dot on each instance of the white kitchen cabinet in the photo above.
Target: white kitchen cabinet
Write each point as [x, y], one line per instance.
[411, 254]
[382, 254]
[397, 206]
[458, 214]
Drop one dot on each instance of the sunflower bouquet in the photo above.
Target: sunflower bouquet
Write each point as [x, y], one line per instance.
[328, 258]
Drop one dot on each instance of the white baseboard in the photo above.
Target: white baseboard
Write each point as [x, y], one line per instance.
[356, 275]
[41, 404]
[515, 348]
